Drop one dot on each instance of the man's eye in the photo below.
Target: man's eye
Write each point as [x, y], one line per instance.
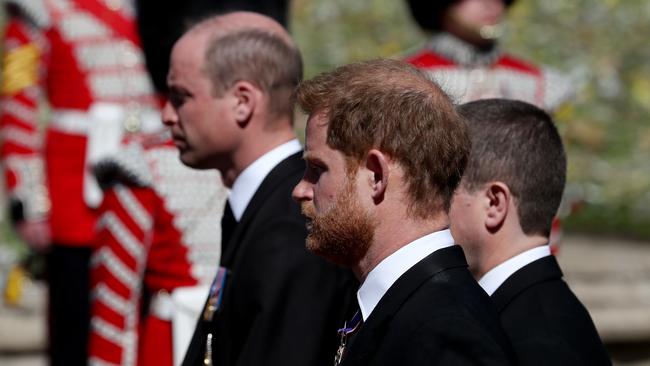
[176, 99]
[313, 171]
[315, 168]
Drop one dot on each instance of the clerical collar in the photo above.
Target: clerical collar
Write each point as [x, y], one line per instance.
[492, 280]
[247, 183]
[382, 277]
[462, 52]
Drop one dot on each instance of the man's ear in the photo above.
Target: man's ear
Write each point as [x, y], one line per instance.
[498, 199]
[377, 165]
[245, 96]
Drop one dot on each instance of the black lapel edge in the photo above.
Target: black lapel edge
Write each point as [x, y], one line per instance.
[286, 169]
[436, 262]
[541, 270]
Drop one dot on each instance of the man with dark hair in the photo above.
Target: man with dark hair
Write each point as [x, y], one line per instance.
[385, 150]
[502, 215]
[230, 83]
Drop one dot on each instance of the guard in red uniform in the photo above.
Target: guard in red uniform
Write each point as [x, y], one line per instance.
[83, 58]
[463, 55]
[158, 249]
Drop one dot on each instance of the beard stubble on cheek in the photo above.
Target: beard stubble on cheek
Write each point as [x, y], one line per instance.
[343, 234]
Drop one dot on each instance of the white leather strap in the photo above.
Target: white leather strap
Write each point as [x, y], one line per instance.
[131, 119]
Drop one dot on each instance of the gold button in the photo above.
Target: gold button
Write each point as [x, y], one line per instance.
[132, 123]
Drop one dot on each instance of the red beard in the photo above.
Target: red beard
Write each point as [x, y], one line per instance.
[344, 233]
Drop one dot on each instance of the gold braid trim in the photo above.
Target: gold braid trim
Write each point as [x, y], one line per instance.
[19, 69]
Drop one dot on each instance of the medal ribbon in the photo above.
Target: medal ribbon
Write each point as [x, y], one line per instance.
[214, 301]
[344, 332]
[216, 294]
[354, 324]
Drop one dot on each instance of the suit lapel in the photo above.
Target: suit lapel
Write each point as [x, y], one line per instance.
[541, 270]
[366, 341]
[287, 169]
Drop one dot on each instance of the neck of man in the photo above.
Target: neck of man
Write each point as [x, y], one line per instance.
[501, 246]
[255, 143]
[393, 234]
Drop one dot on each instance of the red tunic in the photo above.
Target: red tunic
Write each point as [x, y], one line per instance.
[74, 54]
[467, 74]
[158, 232]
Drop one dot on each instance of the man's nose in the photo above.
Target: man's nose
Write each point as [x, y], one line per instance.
[302, 191]
[169, 116]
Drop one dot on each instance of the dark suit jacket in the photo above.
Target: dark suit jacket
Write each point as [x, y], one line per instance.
[281, 305]
[434, 314]
[545, 322]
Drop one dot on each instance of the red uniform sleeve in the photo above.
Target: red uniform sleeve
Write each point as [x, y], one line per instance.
[118, 263]
[23, 70]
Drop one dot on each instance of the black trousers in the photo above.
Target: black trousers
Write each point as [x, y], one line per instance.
[67, 273]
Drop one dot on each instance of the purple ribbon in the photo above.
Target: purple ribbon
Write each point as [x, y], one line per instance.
[354, 324]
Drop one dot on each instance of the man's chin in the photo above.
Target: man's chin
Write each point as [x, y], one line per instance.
[330, 253]
[192, 161]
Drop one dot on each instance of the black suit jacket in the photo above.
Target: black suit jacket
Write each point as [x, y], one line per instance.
[545, 322]
[281, 304]
[434, 314]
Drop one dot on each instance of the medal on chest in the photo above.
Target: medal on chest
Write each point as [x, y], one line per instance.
[348, 328]
[214, 301]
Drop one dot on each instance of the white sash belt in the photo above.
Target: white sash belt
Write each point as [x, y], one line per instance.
[105, 125]
[182, 307]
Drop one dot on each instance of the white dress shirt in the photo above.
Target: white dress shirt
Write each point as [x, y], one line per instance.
[499, 274]
[247, 183]
[382, 277]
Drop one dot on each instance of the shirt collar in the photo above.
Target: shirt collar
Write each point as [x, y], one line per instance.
[492, 280]
[247, 183]
[382, 277]
[462, 52]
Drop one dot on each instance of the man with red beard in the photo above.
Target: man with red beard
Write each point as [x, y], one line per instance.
[385, 151]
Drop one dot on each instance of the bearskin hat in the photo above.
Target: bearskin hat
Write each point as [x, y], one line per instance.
[428, 13]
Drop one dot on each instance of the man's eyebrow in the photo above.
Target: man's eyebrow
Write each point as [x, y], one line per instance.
[176, 89]
[172, 85]
[307, 156]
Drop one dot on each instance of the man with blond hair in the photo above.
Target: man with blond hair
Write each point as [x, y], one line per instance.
[230, 81]
[385, 151]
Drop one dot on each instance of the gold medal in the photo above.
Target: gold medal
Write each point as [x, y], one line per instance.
[207, 359]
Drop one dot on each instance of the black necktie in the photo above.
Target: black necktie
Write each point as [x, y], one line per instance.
[228, 224]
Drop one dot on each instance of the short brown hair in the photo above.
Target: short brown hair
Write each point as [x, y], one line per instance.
[392, 106]
[259, 57]
[517, 143]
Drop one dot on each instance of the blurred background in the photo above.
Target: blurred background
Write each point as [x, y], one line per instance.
[600, 45]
